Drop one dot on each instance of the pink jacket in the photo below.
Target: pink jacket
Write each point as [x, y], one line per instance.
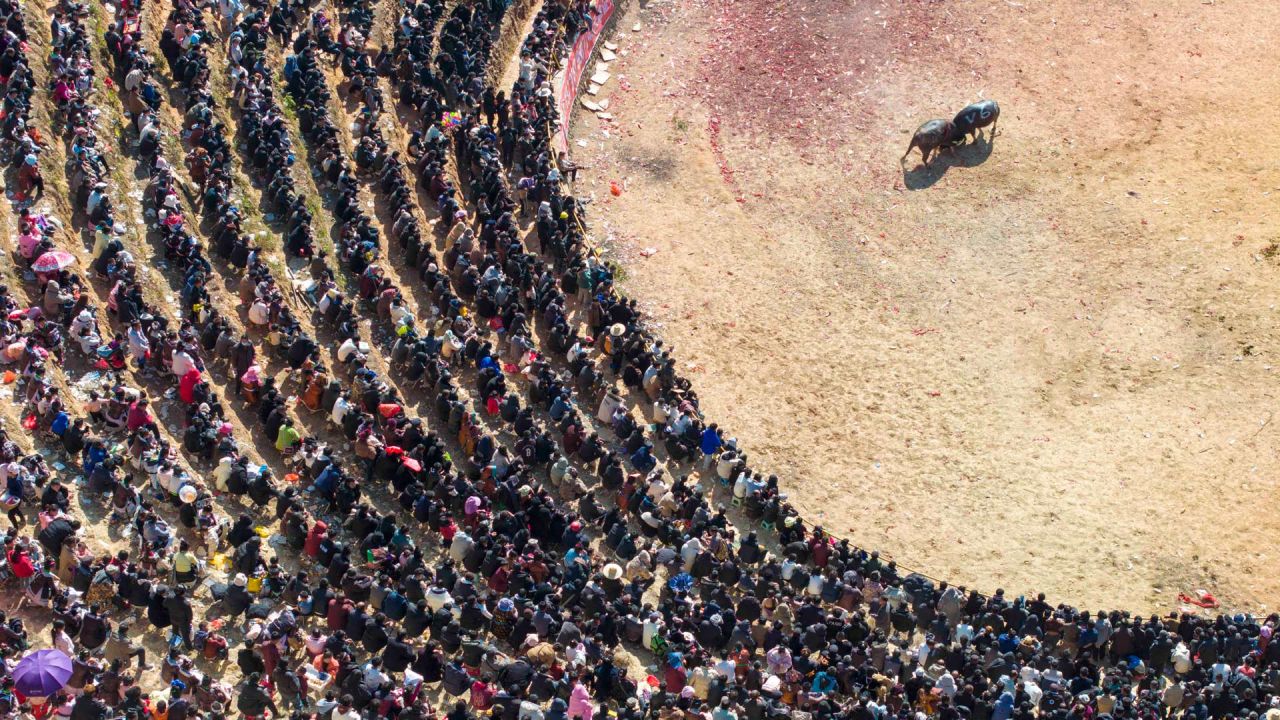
[580, 703]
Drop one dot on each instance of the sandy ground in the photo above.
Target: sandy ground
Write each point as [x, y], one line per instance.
[1045, 363]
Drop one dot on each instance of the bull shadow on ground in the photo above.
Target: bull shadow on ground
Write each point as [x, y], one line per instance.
[971, 154]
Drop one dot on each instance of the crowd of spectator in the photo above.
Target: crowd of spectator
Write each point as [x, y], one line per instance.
[561, 535]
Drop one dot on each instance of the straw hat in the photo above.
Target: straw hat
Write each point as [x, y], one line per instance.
[611, 572]
[617, 329]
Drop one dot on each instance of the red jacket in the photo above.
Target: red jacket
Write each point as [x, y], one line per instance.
[315, 536]
[821, 550]
[187, 386]
[336, 618]
[21, 564]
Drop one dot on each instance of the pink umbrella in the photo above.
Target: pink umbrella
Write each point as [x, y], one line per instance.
[53, 261]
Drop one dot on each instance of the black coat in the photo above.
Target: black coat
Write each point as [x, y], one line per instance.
[396, 656]
[158, 611]
[93, 631]
[249, 662]
[179, 608]
[375, 636]
[53, 535]
[237, 600]
[89, 707]
[253, 700]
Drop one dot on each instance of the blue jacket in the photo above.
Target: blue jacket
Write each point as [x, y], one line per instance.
[823, 683]
[60, 423]
[710, 441]
[93, 454]
[643, 460]
[1004, 707]
[327, 481]
[394, 605]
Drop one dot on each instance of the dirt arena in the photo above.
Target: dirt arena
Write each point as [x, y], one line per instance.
[1044, 363]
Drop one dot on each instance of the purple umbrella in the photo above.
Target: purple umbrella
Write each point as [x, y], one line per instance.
[42, 673]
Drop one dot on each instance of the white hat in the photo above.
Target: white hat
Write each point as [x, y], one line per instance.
[240, 580]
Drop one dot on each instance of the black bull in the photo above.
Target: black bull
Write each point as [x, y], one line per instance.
[937, 134]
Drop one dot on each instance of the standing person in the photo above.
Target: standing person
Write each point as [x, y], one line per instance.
[288, 685]
[30, 181]
[253, 700]
[230, 11]
[568, 167]
[139, 345]
[580, 699]
[249, 661]
[61, 640]
[13, 492]
[55, 534]
[180, 613]
[711, 442]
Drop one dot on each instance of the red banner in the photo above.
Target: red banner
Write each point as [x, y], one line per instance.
[583, 47]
